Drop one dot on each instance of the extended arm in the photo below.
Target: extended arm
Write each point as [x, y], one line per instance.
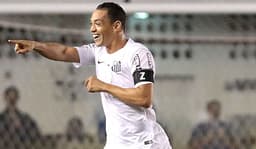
[139, 96]
[53, 51]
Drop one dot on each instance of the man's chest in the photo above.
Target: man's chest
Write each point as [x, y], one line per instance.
[113, 69]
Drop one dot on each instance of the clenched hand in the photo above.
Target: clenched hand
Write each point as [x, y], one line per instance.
[93, 84]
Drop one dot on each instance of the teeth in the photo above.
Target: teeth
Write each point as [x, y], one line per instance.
[95, 36]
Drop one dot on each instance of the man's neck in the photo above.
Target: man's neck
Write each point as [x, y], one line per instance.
[117, 44]
[214, 119]
[11, 109]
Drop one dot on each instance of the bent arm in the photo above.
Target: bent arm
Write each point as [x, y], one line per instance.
[139, 96]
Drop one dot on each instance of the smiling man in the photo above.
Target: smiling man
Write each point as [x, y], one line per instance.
[125, 75]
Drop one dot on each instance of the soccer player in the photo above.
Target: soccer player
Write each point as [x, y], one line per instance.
[125, 75]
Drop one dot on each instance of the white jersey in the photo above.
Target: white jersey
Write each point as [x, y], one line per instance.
[126, 126]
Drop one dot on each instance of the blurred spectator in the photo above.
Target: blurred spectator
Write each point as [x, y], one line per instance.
[214, 133]
[75, 130]
[17, 129]
[75, 136]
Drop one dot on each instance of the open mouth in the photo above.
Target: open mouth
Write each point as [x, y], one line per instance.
[96, 36]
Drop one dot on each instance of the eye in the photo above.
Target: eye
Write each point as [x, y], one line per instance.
[98, 23]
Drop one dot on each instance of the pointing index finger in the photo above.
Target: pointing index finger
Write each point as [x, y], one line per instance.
[15, 41]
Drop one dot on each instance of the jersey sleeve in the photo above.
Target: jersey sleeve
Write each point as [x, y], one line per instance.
[143, 67]
[86, 55]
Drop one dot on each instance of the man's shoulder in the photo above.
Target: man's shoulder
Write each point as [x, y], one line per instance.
[25, 115]
[91, 46]
[201, 125]
[136, 45]
[224, 124]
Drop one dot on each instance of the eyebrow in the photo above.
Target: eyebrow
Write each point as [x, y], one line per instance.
[96, 20]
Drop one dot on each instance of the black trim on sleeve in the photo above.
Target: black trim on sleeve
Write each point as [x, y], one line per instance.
[142, 75]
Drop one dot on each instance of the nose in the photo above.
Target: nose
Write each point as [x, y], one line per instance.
[93, 28]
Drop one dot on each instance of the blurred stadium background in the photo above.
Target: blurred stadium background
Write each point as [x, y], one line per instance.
[203, 49]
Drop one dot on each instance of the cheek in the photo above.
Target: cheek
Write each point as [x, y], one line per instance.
[107, 31]
[108, 34]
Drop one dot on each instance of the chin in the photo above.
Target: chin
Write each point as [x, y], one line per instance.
[98, 43]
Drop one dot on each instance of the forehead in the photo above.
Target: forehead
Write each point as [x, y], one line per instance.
[11, 91]
[99, 14]
[213, 106]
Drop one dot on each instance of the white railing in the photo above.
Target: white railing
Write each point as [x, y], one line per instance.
[198, 7]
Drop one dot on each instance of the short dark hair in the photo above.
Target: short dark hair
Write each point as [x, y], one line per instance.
[115, 12]
[213, 102]
[10, 89]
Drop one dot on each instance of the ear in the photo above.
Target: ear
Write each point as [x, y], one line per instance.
[117, 25]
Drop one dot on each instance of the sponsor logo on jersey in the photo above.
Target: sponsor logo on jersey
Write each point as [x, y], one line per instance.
[100, 62]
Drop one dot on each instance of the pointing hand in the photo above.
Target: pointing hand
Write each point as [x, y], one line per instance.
[23, 46]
